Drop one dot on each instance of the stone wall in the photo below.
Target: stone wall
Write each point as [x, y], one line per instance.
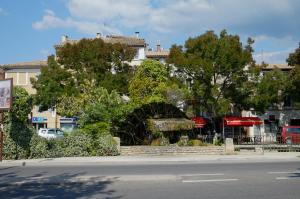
[172, 150]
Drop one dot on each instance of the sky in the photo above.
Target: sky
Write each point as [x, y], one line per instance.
[30, 28]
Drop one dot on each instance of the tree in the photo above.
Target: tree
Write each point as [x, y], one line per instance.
[89, 60]
[269, 90]
[152, 83]
[94, 60]
[215, 65]
[293, 87]
[53, 82]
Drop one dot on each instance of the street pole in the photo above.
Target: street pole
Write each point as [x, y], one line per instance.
[223, 130]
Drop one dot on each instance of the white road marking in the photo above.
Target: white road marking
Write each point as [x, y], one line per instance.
[212, 180]
[284, 172]
[203, 174]
[287, 178]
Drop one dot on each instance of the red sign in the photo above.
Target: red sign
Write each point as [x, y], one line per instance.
[199, 122]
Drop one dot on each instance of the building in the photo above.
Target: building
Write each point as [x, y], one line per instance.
[158, 54]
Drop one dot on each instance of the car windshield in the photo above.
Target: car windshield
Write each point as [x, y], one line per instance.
[293, 130]
[51, 132]
[59, 132]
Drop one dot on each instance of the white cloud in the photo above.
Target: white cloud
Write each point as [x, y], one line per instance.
[275, 57]
[273, 24]
[128, 12]
[256, 16]
[49, 20]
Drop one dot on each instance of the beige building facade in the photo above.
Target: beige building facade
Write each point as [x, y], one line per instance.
[21, 73]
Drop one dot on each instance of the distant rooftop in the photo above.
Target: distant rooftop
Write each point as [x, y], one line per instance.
[157, 54]
[20, 65]
[132, 41]
[279, 66]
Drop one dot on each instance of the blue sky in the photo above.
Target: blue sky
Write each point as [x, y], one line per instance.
[30, 28]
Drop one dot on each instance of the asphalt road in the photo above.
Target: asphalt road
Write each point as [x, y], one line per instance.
[161, 181]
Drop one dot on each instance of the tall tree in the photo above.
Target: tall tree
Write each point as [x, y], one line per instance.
[94, 60]
[53, 82]
[216, 66]
[269, 90]
[88, 60]
[294, 76]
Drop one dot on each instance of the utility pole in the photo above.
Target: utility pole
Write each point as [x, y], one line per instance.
[2, 76]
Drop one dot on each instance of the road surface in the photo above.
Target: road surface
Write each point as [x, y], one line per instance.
[176, 180]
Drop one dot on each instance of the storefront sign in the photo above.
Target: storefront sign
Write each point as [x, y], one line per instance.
[5, 94]
[38, 119]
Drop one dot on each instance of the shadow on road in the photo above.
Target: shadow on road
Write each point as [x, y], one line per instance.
[58, 186]
[296, 174]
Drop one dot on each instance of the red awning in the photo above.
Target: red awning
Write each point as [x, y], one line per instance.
[242, 121]
[199, 122]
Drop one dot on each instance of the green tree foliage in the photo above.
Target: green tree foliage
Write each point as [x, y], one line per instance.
[53, 82]
[269, 90]
[215, 64]
[152, 83]
[294, 76]
[94, 60]
[89, 60]
[17, 129]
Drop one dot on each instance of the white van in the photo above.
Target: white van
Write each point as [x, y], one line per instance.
[50, 133]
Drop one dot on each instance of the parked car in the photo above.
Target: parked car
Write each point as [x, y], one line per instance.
[291, 134]
[50, 133]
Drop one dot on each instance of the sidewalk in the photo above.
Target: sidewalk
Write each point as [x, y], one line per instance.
[69, 161]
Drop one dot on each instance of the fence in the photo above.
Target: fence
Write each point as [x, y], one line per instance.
[269, 143]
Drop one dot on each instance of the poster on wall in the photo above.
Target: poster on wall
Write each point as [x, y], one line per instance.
[5, 94]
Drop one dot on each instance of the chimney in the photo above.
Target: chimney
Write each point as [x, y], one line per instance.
[158, 48]
[64, 38]
[98, 35]
[137, 34]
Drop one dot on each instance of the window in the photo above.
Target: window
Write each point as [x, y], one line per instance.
[22, 78]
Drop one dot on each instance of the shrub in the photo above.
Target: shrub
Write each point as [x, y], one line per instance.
[217, 141]
[196, 143]
[76, 144]
[43, 148]
[17, 138]
[39, 147]
[160, 142]
[105, 146]
[157, 135]
[11, 150]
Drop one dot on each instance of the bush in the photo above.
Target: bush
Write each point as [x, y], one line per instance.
[160, 142]
[39, 147]
[43, 148]
[217, 141]
[196, 143]
[16, 142]
[180, 143]
[11, 150]
[105, 146]
[77, 144]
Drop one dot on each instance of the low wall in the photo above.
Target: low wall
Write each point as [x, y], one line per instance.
[172, 150]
